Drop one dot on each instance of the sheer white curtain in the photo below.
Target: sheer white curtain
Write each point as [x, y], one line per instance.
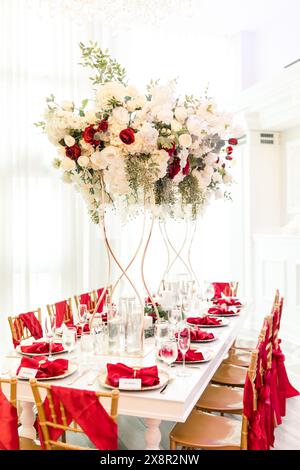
[48, 247]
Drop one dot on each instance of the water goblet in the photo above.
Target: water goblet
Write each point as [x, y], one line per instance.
[184, 342]
[168, 352]
[50, 332]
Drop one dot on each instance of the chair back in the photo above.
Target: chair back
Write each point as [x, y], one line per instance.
[18, 329]
[13, 389]
[68, 315]
[89, 300]
[251, 376]
[46, 424]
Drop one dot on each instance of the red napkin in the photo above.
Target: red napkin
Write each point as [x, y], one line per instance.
[42, 348]
[115, 372]
[85, 299]
[222, 288]
[205, 320]
[222, 310]
[102, 303]
[62, 313]
[33, 325]
[230, 302]
[83, 407]
[191, 355]
[197, 335]
[9, 439]
[44, 367]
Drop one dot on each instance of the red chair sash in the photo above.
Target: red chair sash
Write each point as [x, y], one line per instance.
[29, 321]
[9, 439]
[84, 407]
[62, 313]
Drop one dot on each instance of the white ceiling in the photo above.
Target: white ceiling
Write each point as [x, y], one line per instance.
[225, 16]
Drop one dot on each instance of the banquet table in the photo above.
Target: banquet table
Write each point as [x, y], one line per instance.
[175, 404]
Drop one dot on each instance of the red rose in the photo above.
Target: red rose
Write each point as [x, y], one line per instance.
[127, 136]
[228, 157]
[185, 170]
[229, 150]
[174, 167]
[103, 126]
[233, 141]
[73, 152]
[88, 135]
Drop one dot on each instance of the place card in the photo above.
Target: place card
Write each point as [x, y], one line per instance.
[130, 384]
[27, 373]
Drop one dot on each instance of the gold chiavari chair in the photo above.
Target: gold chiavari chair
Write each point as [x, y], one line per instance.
[73, 427]
[206, 431]
[250, 344]
[18, 329]
[24, 442]
[92, 295]
[68, 313]
[223, 398]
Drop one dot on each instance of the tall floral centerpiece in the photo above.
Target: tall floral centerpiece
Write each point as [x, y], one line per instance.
[130, 149]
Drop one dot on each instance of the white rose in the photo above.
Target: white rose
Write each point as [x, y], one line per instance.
[185, 140]
[148, 133]
[175, 125]
[99, 160]
[164, 114]
[69, 140]
[131, 91]
[83, 161]
[194, 125]
[120, 114]
[110, 90]
[67, 164]
[67, 105]
[181, 113]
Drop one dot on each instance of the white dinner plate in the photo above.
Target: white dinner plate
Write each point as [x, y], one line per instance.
[18, 349]
[206, 357]
[163, 380]
[204, 340]
[70, 371]
[224, 315]
[223, 323]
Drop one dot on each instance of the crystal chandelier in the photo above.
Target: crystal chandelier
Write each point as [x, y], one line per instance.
[121, 14]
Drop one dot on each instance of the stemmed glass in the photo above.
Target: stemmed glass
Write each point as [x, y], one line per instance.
[174, 317]
[169, 352]
[83, 314]
[209, 291]
[161, 334]
[69, 339]
[50, 323]
[184, 342]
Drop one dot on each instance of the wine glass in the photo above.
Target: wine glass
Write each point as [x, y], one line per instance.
[50, 331]
[161, 334]
[184, 342]
[209, 291]
[168, 352]
[83, 315]
[174, 317]
[69, 339]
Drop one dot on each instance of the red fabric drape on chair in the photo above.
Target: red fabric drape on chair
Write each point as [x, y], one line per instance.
[9, 439]
[84, 407]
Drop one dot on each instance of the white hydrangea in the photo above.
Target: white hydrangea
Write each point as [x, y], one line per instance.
[109, 91]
